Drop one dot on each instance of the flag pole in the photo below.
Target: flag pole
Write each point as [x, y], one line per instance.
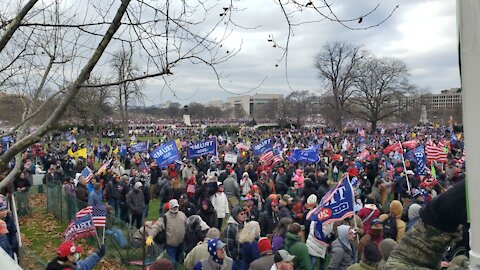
[98, 240]
[405, 169]
[103, 237]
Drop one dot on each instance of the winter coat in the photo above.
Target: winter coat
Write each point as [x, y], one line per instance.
[341, 258]
[136, 201]
[361, 266]
[278, 242]
[209, 264]
[220, 204]
[281, 185]
[86, 264]
[6, 245]
[81, 192]
[298, 249]
[95, 197]
[176, 227]
[263, 263]
[231, 187]
[363, 214]
[268, 220]
[246, 185]
[209, 216]
[112, 192]
[198, 253]
[250, 253]
[189, 209]
[231, 238]
[316, 247]
[194, 234]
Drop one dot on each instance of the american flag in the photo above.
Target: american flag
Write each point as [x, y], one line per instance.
[363, 155]
[267, 157]
[277, 155]
[104, 166]
[393, 147]
[434, 152]
[98, 212]
[410, 144]
[87, 173]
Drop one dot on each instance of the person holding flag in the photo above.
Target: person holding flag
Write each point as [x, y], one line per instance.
[68, 258]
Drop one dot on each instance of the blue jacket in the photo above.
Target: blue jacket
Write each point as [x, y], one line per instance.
[89, 262]
[95, 198]
[250, 253]
[6, 245]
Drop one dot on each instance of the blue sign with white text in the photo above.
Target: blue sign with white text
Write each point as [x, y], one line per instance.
[166, 154]
[202, 148]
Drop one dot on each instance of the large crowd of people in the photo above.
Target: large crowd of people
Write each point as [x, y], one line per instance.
[252, 214]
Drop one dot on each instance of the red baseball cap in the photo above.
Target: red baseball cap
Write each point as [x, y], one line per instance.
[67, 248]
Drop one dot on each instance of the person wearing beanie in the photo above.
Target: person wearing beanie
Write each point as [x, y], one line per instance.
[200, 251]
[196, 232]
[217, 258]
[413, 215]
[136, 204]
[371, 258]
[247, 238]
[266, 259]
[208, 213]
[270, 217]
[4, 239]
[234, 225]
[374, 236]
[310, 204]
[68, 255]
[220, 204]
[343, 253]
[396, 210]
[424, 246]
[297, 248]
[176, 226]
[232, 189]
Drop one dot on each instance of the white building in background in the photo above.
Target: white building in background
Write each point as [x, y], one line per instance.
[446, 99]
[251, 103]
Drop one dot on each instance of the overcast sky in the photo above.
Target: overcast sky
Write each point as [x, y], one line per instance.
[421, 33]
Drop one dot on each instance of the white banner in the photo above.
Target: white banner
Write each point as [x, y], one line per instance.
[230, 157]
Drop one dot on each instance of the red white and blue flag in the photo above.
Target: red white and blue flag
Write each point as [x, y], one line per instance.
[87, 173]
[98, 213]
[80, 228]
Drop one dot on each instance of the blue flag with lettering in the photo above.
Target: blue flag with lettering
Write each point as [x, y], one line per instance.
[308, 155]
[418, 157]
[139, 147]
[262, 147]
[336, 205]
[166, 154]
[202, 148]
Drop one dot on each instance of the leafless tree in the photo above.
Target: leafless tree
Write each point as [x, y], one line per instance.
[300, 103]
[379, 83]
[336, 65]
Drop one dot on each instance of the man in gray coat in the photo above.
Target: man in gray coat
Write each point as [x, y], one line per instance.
[136, 204]
[232, 189]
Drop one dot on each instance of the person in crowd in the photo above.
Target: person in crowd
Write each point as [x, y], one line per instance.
[374, 236]
[4, 243]
[232, 189]
[299, 178]
[281, 182]
[95, 196]
[112, 194]
[188, 171]
[196, 231]
[295, 246]
[413, 215]
[136, 204]
[269, 218]
[246, 184]
[368, 213]
[264, 185]
[200, 251]
[234, 225]
[220, 204]
[208, 213]
[217, 259]
[81, 192]
[69, 187]
[266, 260]
[283, 260]
[343, 253]
[372, 256]
[251, 208]
[248, 240]
[117, 168]
[393, 226]
[22, 185]
[7, 217]
[175, 231]
[280, 234]
[124, 189]
[162, 264]
[386, 246]
[186, 206]
[68, 257]
[155, 175]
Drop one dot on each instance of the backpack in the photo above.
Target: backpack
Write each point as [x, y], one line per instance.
[390, 228]
[161, 237]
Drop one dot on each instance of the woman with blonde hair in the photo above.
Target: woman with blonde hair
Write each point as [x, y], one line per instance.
[248, 240]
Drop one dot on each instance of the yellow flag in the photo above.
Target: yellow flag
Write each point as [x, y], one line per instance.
[115, 151]
[80, 153]
[179, 144]
[414, 135]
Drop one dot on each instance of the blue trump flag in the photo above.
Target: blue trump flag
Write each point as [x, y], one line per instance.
[309, 155]
[336, 205]
[166, 154]
[418, 157]
[202, 148]
[262, 147]
[139, 147]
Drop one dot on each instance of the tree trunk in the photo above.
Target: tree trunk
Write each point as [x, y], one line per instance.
[374, 126]
[125, 110]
